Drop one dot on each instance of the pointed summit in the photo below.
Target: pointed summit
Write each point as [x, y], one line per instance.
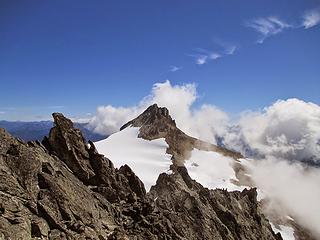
[155, 122]
[151, 115]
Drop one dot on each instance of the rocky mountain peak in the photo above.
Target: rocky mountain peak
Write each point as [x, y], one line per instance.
[157, 111]
[154, 122]
[61, 121]
[68, 143]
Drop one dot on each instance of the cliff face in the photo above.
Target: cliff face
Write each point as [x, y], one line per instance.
[63, 188]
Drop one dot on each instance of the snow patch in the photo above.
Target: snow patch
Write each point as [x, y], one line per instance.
[260, 194]
[212, 170]
[146, 158]
[286, 232]
[290, 218]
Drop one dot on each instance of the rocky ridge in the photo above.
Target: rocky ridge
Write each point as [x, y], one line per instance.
[62, 188]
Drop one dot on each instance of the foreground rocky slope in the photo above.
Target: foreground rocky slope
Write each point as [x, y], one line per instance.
[63, 188]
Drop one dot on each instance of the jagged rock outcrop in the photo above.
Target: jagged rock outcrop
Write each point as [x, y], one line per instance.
[92, 168]
[67, 143]
[64, 189]
[41, 198]
[200, 213]
[45, 195]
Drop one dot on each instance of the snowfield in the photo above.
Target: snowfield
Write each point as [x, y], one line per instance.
[146, 158]
[212, 170]
[286, 232]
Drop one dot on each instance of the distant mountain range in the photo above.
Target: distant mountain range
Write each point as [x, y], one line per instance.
[29, 131]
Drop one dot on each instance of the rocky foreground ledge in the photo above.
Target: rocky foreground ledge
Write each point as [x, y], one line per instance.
[63, 188]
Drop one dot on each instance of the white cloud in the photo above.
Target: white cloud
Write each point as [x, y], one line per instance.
[270, 26]
[282, 136]
[230, 50]
[205, 122]
[293, 190]
[202, 55]
[267, 27]
[109, 119]
[287, 129]
[227, 48]
[174, 68]
[214, 56]
[202, 59]
[311, 18]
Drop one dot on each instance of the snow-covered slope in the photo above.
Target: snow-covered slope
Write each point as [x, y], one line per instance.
[212, 170]
[287, 233]
[146, 158]
[149, 158]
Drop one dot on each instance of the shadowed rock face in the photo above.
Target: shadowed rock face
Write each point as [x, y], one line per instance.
[68, 144]
[64, 189]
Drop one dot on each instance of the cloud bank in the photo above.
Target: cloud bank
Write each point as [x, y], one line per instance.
[281, 137]
[288, 129]
[292, 189]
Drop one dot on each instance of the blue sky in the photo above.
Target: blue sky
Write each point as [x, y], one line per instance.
[72, 56]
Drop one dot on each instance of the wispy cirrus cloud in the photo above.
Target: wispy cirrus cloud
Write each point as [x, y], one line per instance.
[268, 26]
[201, 59]
[215, 56]
[230, 50]
[174, 68]
[311, 18]
[226, 47]
[271, 26]
[203, 56]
